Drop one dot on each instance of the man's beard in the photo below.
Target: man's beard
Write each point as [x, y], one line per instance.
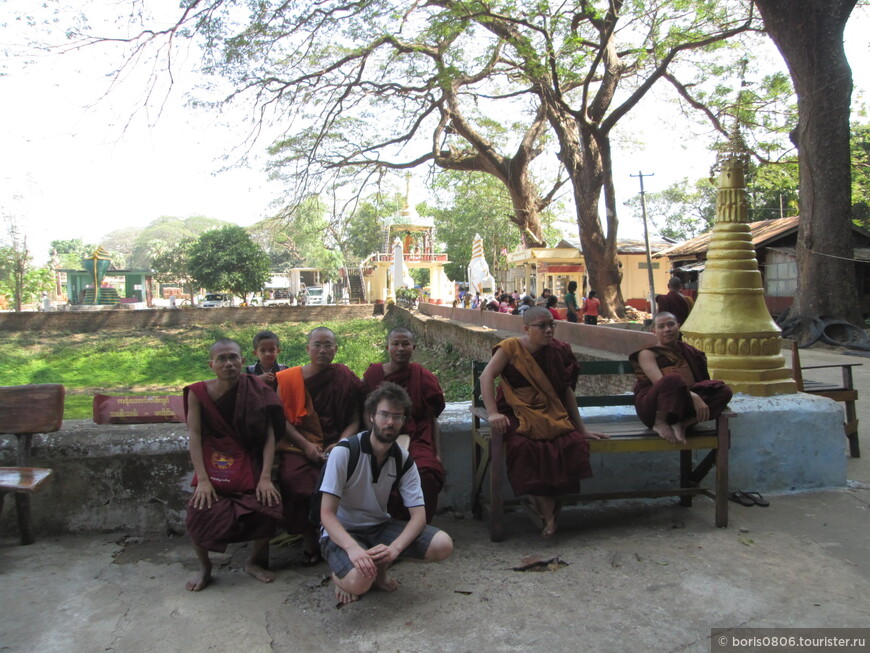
[381, 436]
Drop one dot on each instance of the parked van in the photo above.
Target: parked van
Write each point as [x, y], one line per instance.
[217, 300]
[316, 296]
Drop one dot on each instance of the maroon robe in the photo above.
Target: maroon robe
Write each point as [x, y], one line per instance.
[552, 467]
[336, 394]
[676, 303]
[243, 414]
[427, 403]
[670, 393]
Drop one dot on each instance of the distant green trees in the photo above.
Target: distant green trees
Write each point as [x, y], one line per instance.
[228, 259]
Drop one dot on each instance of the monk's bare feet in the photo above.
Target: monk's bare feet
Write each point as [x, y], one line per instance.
[680, 432]
[255, 570]
[200, 581]
[384, 582]
[549, 528]
[342, 595]
[665, 431]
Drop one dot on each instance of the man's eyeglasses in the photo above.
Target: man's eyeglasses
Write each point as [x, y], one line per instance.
[544, 325]
[391, 417]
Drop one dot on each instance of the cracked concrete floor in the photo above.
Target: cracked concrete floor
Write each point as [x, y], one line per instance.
[640, 576]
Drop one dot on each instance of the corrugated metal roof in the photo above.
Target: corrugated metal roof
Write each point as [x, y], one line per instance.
[622, 246]
[762, 231]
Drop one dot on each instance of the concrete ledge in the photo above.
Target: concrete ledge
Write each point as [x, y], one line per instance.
[98, 320]
[136, 478]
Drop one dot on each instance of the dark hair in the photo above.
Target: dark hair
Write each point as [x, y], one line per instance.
[572, 286]
[265, 335]
[552, 300]
[221, 343]
[391, 392]
[592, 293]
[320, 328]
[401, 329]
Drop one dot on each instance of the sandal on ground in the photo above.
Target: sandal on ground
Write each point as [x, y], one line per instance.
[757, 499]
[530, 509]
[311, 558]
[741, 498]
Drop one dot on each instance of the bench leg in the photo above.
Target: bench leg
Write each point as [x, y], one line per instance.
[496, 497]
[852, 429]
[25, 526]
[686, 475]
[480, 462]
[724, 434]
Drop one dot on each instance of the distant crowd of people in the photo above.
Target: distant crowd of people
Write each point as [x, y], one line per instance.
[517, 304]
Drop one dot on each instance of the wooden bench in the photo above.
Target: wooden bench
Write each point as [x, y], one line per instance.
[844, 392]
[25, 410]
[628, 435]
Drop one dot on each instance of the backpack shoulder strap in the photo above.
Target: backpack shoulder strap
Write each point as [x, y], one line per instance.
[404, 462]
[353, 444]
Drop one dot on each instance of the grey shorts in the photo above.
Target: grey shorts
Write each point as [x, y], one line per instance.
[368, 537]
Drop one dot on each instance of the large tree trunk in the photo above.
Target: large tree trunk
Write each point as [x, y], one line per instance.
[809, 35]
[583, 154]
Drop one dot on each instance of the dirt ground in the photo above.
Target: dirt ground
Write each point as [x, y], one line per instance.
[630, 576]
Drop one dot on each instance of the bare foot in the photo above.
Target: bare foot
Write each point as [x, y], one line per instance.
[665, 430]
[384, 582]
[680, 432]
[255, 570]
[549, 529]
[341, 595]
[201, 581]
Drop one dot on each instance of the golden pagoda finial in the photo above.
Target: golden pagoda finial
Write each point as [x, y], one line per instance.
[730, 321]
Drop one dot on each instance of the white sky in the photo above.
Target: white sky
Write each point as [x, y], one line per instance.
[69, 168]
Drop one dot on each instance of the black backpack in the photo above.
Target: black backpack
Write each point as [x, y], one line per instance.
[353, 443]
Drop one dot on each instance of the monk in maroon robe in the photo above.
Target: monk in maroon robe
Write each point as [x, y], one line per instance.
[232, 421]
[675, 302]
[673, 389]
[427, 403]
[322, 404]
[536, 410]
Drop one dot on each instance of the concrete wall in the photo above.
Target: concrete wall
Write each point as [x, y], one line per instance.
[89, 321]
[620, 339]
[136, 478]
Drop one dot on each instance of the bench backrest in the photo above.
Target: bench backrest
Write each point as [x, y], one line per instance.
[589, 368]
[31, 408]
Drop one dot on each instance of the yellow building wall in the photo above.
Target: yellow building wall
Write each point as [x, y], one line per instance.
[635, 280]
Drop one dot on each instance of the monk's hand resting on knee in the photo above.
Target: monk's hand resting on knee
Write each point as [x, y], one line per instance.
[203, 495]
[362, 561]
[266, 493]
[497, 422]
[590, 435]
[382, 554]
[702, 410]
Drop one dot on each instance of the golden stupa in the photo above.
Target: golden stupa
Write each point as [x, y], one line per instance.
[730, 322]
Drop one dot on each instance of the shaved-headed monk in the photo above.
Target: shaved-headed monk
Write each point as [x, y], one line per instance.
[322, 403]
[232, 422]
[427, 403]
[675, 302]
[673, 389]
[536, 410]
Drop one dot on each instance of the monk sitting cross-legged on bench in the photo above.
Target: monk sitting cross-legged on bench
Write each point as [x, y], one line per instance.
[673, 389]
[545, 439]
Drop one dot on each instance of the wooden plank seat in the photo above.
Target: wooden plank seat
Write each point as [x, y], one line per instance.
[627, 435]
[24, 411]
[844, 392]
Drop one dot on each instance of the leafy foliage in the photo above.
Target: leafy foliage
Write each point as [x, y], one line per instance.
[227, 259]
[680, 211]
[860, 147]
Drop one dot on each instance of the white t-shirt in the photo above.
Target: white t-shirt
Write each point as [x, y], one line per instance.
[364, 496]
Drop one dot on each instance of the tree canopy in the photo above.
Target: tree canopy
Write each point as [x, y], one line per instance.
[466, 85]
[227, 259]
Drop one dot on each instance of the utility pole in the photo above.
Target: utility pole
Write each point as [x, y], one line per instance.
[649, 268]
